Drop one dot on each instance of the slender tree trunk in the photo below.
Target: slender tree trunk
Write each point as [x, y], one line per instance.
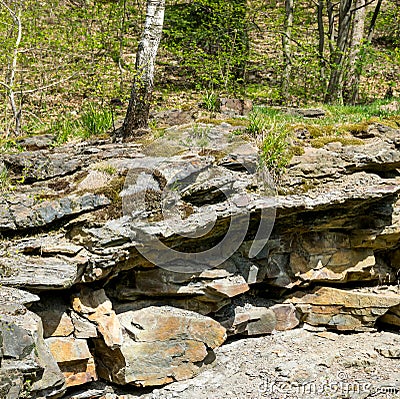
[353, 72]
[321, 42]
[287, 51]
[137, 116]
[9, 84]
[373, 21]
[335, 87]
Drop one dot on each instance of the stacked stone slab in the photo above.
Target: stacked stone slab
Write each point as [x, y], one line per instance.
[79, 302]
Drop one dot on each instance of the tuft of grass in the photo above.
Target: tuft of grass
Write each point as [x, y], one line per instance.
[105, 167]
[210, 101]
[5, 181]
[93, 121]
[258, 123]
[276, 153]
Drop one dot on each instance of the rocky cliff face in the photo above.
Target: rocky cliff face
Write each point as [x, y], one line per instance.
[131, 263]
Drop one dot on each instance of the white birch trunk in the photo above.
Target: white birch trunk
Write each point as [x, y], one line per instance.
[136, 120]
[287, 51]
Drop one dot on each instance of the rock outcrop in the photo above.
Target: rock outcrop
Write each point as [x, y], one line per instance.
[139, 261]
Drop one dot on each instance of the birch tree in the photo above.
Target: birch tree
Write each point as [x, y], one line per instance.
[136, 119]
[287, 53]
[9, 84]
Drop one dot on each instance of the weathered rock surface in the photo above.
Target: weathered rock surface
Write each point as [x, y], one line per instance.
[345, 310]
[160, 345]
[83, 215]
[27, 367]
[97, 308]
[252, 316]
[74, 359]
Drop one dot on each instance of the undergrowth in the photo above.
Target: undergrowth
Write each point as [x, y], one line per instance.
[93, 121]
[274, 130]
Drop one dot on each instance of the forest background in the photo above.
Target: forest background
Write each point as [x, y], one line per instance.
[63, 60]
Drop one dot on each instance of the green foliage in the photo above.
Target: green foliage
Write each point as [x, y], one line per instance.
[275, 151]
[210, 101]
[93, 121]
[210, 40]
[257, 123]
[5, 181]
[273, 129]
[264, 124]
[74, 52]
[84, 49]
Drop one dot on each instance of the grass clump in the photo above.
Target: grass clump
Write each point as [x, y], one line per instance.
[271, 135]
[106, 168]
[210, 101]
[5, 180]
[93, 121]
[276, 153]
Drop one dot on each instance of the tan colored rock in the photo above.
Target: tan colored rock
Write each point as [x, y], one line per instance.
[261, 321]
[96, 307]
[258, 318]
[286, 316]
[74, 359]
[229, 286]
[344, 309]
[56, 324]
[83, 328]
[161, 344]
[325, 257]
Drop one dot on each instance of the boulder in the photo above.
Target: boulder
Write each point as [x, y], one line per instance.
[235, 106]
[160, 345]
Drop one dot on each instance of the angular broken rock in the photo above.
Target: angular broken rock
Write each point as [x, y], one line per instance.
[160, 282]
[345, 310]
[26, 356]
[160, 345]
[54, 314]
[40, 273]
[14, 295]
[243, 317]
[74, 359]
[97, 308]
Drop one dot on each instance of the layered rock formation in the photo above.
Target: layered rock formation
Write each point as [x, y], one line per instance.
[120, 253]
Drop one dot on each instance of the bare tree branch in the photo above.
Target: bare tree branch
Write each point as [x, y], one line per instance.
[50, 85]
